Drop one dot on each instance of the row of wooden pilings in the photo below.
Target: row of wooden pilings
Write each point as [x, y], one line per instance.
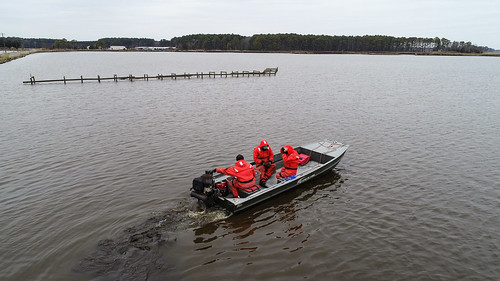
[146, 77]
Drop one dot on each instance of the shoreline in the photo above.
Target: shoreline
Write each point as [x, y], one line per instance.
[10, 56]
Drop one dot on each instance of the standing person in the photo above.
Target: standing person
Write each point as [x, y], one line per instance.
[290, 161]
[243, 175]
[263, 156]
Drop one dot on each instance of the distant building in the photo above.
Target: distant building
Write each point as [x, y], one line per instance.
[142, 48]
[161, 48]
[117, 48]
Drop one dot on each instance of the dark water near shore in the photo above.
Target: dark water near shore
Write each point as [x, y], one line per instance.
[94, 177]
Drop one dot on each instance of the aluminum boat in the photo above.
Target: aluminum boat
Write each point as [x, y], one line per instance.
[322, 156]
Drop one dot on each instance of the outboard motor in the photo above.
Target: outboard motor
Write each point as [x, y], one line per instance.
[204, 189]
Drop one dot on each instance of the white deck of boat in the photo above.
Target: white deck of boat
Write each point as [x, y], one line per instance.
[331, 148]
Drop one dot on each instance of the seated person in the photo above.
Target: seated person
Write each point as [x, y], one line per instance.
[290, 161]
[242, 173]
[263, 156]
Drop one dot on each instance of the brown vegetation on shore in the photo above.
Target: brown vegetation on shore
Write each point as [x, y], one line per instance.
[8, 56]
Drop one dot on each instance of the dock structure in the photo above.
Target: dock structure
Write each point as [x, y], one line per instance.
[211, 74]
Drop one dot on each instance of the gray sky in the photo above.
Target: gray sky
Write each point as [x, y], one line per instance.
[476, 21]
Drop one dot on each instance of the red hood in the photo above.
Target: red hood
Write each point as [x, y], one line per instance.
[263, 143]
[290, 149]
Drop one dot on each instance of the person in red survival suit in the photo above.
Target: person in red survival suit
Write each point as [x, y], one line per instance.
[263, 156]
[290, 160]
[243, 173]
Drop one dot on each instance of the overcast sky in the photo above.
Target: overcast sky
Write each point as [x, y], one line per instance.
[476, 21]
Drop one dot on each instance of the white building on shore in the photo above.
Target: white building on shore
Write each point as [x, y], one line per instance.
[155, 48]
[117, 48]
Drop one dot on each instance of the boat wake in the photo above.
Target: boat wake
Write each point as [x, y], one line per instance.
[136, 254]
[213, 215]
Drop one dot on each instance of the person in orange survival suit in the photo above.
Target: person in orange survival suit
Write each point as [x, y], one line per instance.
[290, 160]
[243, 173]
[263, 156]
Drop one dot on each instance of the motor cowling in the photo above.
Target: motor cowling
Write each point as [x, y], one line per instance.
[204, 189]
[203, 184]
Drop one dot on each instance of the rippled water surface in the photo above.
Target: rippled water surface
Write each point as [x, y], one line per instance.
[95, 177]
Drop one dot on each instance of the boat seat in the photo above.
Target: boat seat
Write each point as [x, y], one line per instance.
[243, 193]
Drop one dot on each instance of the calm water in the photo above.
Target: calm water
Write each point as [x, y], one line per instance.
[95, 177]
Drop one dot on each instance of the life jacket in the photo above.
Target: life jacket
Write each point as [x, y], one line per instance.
[260, 155]
[291, 159]
[243, 171]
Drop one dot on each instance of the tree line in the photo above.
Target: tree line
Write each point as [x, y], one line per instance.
[103, 43]
[262, 42]
[211, 42]
[322, 43]
[46, 43]
[129, 43]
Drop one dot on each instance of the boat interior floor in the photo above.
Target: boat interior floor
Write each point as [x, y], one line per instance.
[300, 171]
